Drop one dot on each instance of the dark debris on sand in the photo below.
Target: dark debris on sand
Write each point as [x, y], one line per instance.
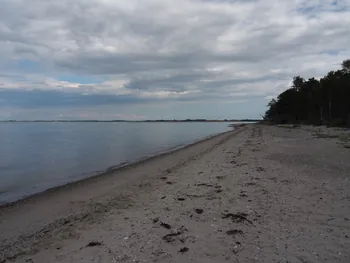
[165, 225]
[199, 210]
[184, 249]
[237, 217]
[94, 244]
[234, 232]
[169, 238]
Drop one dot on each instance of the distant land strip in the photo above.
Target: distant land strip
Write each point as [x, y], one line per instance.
[186, 120]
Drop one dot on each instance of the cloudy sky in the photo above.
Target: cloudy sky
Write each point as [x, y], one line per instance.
[150, 59]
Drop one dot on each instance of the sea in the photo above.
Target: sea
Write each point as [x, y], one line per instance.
[36, 156]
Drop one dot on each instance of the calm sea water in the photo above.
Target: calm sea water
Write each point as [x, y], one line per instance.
[37, 156]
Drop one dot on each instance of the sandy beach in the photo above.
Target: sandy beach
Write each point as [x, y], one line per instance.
[256, 194]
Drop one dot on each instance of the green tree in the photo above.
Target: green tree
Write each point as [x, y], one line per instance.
[315, 101]
[298, 82]
[346, 65]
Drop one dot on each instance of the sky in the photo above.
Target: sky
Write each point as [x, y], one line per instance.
[162, 59]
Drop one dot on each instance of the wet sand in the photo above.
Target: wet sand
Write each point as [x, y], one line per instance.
[257, 194]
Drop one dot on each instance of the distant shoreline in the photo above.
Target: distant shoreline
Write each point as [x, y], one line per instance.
[143, 121]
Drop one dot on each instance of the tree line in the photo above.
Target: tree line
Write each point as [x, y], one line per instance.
[318, 102]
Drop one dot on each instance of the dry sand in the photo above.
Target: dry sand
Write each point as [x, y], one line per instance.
[258, 194]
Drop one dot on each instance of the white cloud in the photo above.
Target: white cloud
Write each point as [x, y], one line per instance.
[184, 49]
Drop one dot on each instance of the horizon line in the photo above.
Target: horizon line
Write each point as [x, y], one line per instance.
[156, 120]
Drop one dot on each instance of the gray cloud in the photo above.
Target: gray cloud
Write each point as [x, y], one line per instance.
[180, 50]
[52, 99]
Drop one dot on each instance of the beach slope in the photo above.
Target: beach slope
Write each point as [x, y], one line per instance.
[256, 194]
